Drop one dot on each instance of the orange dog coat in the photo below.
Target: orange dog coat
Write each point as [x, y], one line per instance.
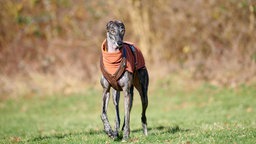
[111, 61]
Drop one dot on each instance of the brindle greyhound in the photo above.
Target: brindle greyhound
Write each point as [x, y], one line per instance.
[127, 81]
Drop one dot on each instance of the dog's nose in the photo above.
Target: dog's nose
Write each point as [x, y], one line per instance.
[119, 43]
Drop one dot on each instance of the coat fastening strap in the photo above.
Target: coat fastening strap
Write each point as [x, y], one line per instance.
[113, 79]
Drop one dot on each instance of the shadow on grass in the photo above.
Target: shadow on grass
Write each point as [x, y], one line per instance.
[158, 130]
[164, 129]
[64, 135]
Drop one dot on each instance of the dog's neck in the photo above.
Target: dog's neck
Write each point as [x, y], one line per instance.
[111, 47]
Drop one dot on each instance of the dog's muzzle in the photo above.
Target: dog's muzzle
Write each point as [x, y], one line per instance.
[119, 44]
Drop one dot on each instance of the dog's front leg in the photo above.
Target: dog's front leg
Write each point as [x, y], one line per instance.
[126, 83]
[104, 116]
[116, 98]
[127, 107]
[105, 99]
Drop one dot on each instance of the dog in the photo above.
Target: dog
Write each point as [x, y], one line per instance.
[122, 80]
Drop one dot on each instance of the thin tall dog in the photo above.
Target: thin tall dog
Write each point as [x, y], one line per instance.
[122, 80]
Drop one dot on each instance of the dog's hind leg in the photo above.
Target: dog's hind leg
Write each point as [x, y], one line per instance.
[105, 100]
[116, 98]
[141, 84]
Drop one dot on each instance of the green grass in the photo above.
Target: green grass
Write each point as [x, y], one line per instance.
[205, 115]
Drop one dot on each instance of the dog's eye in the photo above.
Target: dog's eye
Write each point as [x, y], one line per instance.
[112, 31]
[122, 31]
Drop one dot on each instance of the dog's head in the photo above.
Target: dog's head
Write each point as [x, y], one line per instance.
[115, 33]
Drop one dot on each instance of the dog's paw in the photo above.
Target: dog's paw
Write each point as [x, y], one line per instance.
[110, 133]
[125, 139]
[145, 130]
[115, 135]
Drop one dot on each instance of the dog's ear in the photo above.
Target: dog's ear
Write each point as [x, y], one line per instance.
[109, 24]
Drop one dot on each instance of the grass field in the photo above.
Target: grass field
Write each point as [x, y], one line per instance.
[204, 115]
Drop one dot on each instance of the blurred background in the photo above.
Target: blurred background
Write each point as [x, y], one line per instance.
[53, 46]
